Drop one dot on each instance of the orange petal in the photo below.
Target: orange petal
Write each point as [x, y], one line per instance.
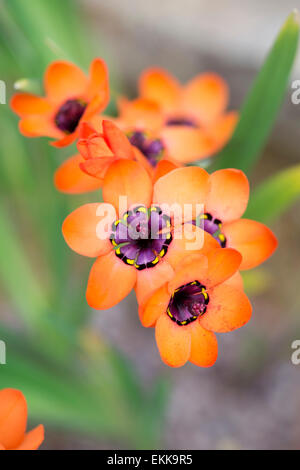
[162, 168]
[253, 240]
[25, 104]
[236, 281]
[173, 341]
[158, 85]
[64, 80]
[97, 167]
[206, 97]
[222, 129]
[83, 228]
[193, 268]
[93, 146]
[33, 439]
[222, 264]
[1, 447]
[183, 186]
[188, 240]
[228, 195]
[140, 158]
[128, 179]
[99, 84]
[187, 144]
[204, 348]
[110, 281]
[65, 140]
[96, 105]
[151, 279]
[227, 310]
[155, 306]
[117, 140]
[13, 417]
[142, 114]
[70, 179]
[39, 126]
[86, 130]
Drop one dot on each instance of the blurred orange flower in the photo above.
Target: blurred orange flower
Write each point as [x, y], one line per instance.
[13, 421]
[71, 97]
[129, 255]
[98, 150]
[200, 300]
[225, 199]
[188, 122]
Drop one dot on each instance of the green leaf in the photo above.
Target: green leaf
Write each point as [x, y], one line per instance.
[16, 274]
[263, 101]
[275, 195]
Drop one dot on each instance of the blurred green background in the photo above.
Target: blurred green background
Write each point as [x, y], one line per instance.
[95, 379]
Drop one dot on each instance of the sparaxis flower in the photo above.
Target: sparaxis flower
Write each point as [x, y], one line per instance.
[225, 198]
[100, 144]
[188, 122]
[204, 297]
[70, 98]
[125, 261]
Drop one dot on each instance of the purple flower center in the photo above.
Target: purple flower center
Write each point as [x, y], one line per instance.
[69, 114]
[181, 121]
[188, 303]
[152, 149]
[142, 237]
[212, 226]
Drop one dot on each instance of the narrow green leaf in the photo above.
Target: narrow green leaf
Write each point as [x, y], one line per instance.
[16, 273]
[275, 195]
[263, 101]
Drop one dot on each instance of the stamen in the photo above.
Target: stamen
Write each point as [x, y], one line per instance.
[187, 303]
[139, 239]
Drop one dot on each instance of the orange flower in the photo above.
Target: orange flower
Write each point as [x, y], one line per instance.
[199, 301]
[190, 122]
[225, 199]
[71, 97]
[13, 420]
[98, 150]
[129, 255]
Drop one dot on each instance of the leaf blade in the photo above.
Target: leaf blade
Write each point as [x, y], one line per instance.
[263, 101]
[275, 195]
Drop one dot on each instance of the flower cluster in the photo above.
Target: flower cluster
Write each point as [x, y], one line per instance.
[173, 233]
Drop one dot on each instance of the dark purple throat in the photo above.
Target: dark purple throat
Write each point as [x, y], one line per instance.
[212, 226]
[181, 121]
[69, 114]
[188, 303]
[142, 237]
[152, 149]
